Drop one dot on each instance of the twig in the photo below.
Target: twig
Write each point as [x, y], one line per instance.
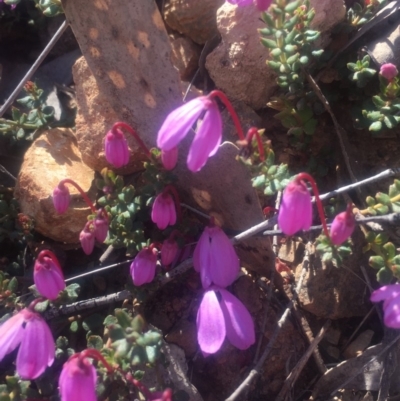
[254, 230]
[206, 216]
[361, 369]
[384, 174]
[34, 67]
[341, 133]
[5, 171]
[257, 368]
[87, 304]
[294, 374]
[106, 254]
[178, 270]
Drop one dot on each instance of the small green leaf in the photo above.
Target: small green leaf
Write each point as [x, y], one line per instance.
[376, 126]
[383, 198]
[269, 43]
[292, 6]
[384, 276]
[376, 262]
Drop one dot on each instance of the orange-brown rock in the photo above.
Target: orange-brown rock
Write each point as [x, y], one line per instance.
[185, 56]
[52, 157]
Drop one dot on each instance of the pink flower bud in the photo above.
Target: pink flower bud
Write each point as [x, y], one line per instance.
[61, 198]
[163, 212]
[48, 276]
[29, 331]
[78, 380]
[86, 237]
[169, 251]
[295, 213]
[169, 158]
[215, 258]
[143, 267]
[116, 148]
[388, 71]
[100, 227]
[342, 226]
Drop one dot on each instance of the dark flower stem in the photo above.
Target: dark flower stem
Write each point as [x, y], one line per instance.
[221, 96]
[81, 191]
[128, 128]
[307, 177]
[253, 131]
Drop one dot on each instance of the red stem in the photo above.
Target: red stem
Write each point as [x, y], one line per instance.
[307, 177]
[254, 132]
[93, 353]
[135, 135]
[35, 302]
[81, 191]
[155, 245]
[173, 191]
[232, 112]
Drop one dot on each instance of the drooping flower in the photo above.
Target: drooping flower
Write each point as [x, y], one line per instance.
[169, 251]
[295, 212]
[163, 212]
[28, 330]
[342, 226]
[207, 138]
[388, 71]
[48, 275]
[86, 238]
[169, 158]
[390, 294]
[227, 317]
[116, 148]
[61, 198]
[215, 258]
[100, 223]
[262, 5]
[78, 379]
[143, 267]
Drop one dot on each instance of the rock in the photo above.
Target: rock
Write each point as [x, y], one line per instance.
[185, 56]
[237, 65]
[328, 13]
[193, 18]
[95, 117]
[129, 53]
[356, 347]
[184, 334]
[52, 157]
[385, 49]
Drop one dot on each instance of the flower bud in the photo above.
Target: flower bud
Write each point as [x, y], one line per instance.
[86, 237]
[116, 148]
[342, 226]
[169, 158]
[143, 267]
[100, 228]
[388, 71]
[163, 212]
[295, 213]
[169, 251]
[61, 198]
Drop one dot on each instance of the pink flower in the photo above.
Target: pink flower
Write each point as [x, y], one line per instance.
[78, 379]
[143, 267]
[116, 148]
[215, 258]
[262, 5]
[227, 317]
[390, 294]
[86, 237]
[388, 71]
[295, 213]
[169, 251]
[28, 330]
[61, 198]
[169, 158]
[342, 226]
[48, 276]
[100, 227]
[207, 138]
[163, 212]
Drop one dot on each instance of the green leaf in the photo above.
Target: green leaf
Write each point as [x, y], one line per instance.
[259, 181]
[12, 285]
[304, 60]
[376, 126]
[376, 262]
[292, 6]
[378, 101]
[383, 198]
[309, 126]
[269, 43]
[370, 201]
[390, 250]
[317, 53]
[290, 49]
[384, 276]
[293, 59]
[95, 342]
[74, 326]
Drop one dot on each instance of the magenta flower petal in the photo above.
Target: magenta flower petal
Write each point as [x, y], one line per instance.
[100, 228]
[48, 276]
[391, 309]
[78, 380]
[61, 198]
[169, 251]
[37, 348]
[116, 148]
[263, 5]
[11, 334]
[163, 212]
[385, 292]
[86, 238]
[178, 123]
[342, 227]
[207, 139]
[239, 324]
[240, 3]
[169, 158]
[210, 324]
[143, 267]
[201, 258]
[295, 213]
